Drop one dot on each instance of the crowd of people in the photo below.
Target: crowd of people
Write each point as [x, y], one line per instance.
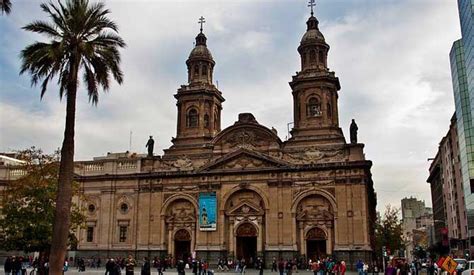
[116, 266]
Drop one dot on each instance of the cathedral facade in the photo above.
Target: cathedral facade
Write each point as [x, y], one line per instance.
[238, 192]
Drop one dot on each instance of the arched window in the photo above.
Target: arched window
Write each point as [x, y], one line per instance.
[329, 110]
[312, 56]
[206, 121]
[216, 120]
[321, 57]
[192, 118]
[204, 70]
[196, 70]
[313, 107]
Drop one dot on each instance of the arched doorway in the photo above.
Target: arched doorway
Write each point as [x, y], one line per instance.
[182, 244]
[180, 227]
[246, 238]
[315, 226]
[245, 220]
[316, 243]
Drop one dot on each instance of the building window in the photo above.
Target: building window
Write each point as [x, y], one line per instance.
[216, 120]
[192, 118]
[196, 70]
[123, 234]
[321, 57]
[204, 70]
[206, 121]
[124, 208]
[90, 234]
[312, 56]
[329, 110]
[91, 208]
[313, 107]
[471, 181]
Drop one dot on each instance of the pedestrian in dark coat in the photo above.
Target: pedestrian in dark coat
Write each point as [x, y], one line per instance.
[7, 267]
[180, 267]
[109, 266]
[146, 267]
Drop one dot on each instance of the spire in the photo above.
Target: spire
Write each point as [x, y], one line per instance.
[312, 22]
[201, 38]
[200, 62]
[311, 4]
[202, 21]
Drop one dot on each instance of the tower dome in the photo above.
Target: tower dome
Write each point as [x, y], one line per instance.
[312, 33]
[200, 62]
[313, 48]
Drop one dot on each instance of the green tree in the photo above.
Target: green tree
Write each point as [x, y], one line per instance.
[5, 6]
[28, 205]
[82, 38]
[389, 231]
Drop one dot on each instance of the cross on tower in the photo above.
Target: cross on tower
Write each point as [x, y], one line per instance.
[202, 21]
[311, 4]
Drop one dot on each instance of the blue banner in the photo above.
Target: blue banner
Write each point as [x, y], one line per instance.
[207, 211]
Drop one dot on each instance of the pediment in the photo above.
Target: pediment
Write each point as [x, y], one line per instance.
[243, 159]
[245, 208]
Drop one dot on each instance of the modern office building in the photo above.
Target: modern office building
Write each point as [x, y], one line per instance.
[462, 70]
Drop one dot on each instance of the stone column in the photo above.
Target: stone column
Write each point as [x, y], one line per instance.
[302, 239]
[163, 230]
[232, 237]
[259, 236]
[294, 228]
[170, 241]
[329, 241]
[193, 238]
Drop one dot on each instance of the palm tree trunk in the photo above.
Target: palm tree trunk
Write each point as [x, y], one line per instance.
[62, 213]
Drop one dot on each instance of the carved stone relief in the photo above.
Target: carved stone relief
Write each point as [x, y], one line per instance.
[314, 208]
[246, 230]
[316, 234]
[243, 139]
[315, 155]
[181, 211]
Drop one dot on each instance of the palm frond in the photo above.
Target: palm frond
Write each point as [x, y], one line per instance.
[43, 28]
[91, 81]
[5, 6]
[81, 32]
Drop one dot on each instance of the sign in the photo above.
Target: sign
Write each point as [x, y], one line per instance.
[449, 265]
[207, 211]
[440, 261]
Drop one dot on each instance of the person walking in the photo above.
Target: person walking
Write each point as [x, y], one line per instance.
[260, 266]
[281, 266]
[109, 266]
[274, 265]
[7, 266]
[180, 267]
[146, 267]
[343, 268]
[130, 265]
[360, 267]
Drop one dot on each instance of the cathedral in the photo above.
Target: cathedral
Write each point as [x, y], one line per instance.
[239, 192]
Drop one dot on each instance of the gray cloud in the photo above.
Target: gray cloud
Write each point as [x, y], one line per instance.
[391, 58]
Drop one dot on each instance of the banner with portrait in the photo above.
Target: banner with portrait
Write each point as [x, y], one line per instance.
[207, 211]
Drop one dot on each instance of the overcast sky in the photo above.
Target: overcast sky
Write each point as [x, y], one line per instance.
[391, 56]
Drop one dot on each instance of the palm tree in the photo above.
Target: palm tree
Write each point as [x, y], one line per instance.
[82, 38]
[5, 6]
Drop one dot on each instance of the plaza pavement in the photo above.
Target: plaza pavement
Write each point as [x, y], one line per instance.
[73, 271]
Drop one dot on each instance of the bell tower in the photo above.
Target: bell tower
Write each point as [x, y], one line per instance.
[199, 102]
[315, 90]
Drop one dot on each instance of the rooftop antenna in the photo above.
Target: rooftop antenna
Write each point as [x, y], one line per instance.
[130, 142]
